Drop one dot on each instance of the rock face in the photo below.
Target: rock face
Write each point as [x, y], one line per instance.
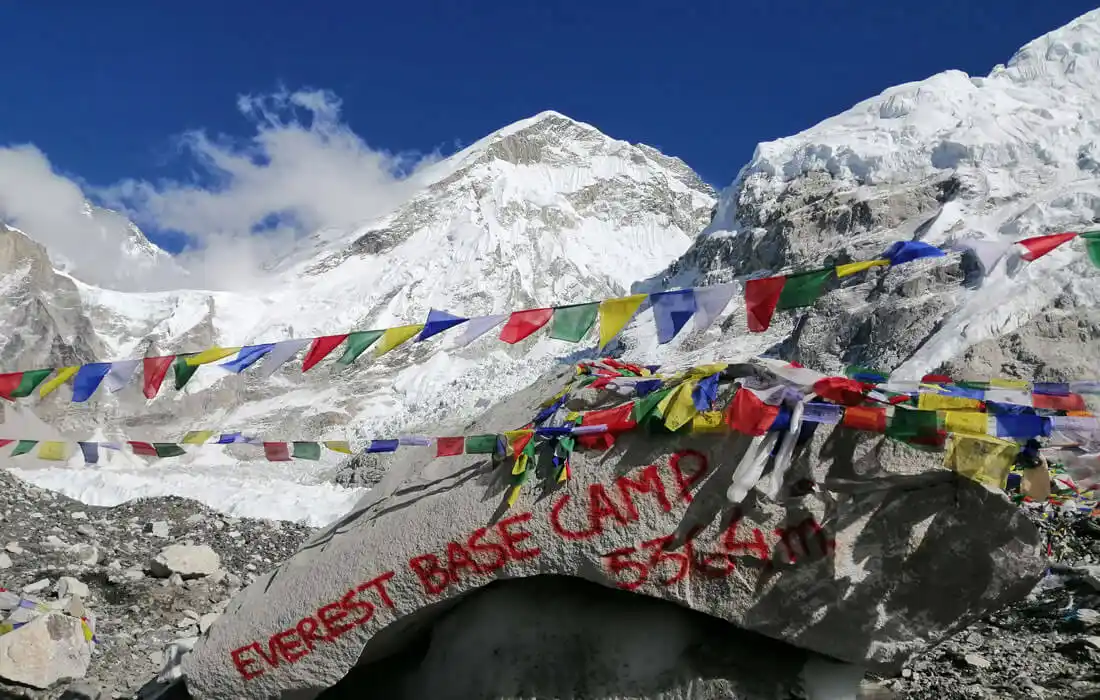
[890, 554]
[47, 649]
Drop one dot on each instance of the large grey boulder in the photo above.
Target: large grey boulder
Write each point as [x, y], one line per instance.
[871, 552]
[44, 651]
[187, 560]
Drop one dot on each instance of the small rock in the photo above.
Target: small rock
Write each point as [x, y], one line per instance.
[175, 579]
[78, 515]
[158, 528]
[115, 564]
[206, 620]
[13, 547]
[55, 542]
[191, 614]
[134, 574]
[187, 561]
[219, 524]
[86, 530]
[977, 661]
[5, 561]
[37, 586]
[195, 518]
[69, 586]
[906, 673]
[86, 554]
[83, 690]
[1092, 641]
[233, 533]
[157, 657]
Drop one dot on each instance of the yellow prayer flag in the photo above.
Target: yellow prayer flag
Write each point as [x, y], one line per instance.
[678, 408]
[52, 450]
[967, 422]
[63, 375]
[1009, 383]
[853, 268]
[572, 416]
[703, 371]
[938, 402]
[196, 437]
[513, 496]
[616, 313]
[338, 446]
[708, 422]
[395, 336]
[211, 355]
[521, 464]
[986, 460]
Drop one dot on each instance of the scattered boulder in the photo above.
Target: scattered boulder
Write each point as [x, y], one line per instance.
[158, 528]
[86, 554]
[47, 649]
[69, 586]
[188, 561]
[5, 561]
[39, 585]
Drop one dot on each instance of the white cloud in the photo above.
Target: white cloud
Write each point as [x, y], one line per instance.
[302, 170]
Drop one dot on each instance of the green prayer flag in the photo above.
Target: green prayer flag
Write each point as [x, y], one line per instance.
[29, 382]
[572, 323]
[1092, 246]
[168, 449]
[646, 405]
[183, 371]
[307, 450]
[803, 289]
[907, 424]
[23, 447]
[481, 444]
[356, 344]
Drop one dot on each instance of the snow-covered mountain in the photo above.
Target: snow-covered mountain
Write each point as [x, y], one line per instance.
[550, 211]
[546, 211]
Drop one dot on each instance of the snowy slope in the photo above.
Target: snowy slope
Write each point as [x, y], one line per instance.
[545, 211]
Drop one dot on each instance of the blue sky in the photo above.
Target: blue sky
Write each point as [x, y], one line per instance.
[104, 90]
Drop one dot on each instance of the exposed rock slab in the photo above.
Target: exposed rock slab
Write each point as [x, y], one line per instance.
[47, 649]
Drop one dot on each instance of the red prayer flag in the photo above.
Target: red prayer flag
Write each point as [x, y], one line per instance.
[523, 323]
[761, 296]
[1038, 246]
[277, 451]
[596, 441]
[1069, 402]
[865, 418]
[749, 415]
[616, 419]
[320, 348]
[936, 379]
[9, 383]
[449, 446]
[841, 390]
[155, 369]
[144, 449]
[5, 442]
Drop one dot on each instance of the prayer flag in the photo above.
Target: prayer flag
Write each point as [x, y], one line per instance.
[18, 385]
[679, 407]
[870, 418]
[616, 419]
[928, 401]
[572, 323]
[144, 449]
[477, 327]
[982, 459]
[197, 437]
[87, 380]
[414, 440]
[761, 297]
[52, 450]
[523, 323]
[155, 368]
[246, 357]
[228, 438]
[481, 444]
[671, 311]
[815, 412]
[23, 447]
[615, 314]
[307, 450]
[63, 376]
[710, 302]
[705, 393]
[967, 422]
[438, 321]
[183, 371]
[1051, 388]
[449, 446]
[320, 348]
[803, 289]
[382, 446]
[211, 355]
[1022, 425]
[1038, 246]
[908, 251]
[865, 374]
[848, 269]
[91, 452]
[647, 405]
[279, 355]
[168, 449]
[340, 446]
[357, 344]
[748, 415]
[392, 337]
[120, 375]
[1092, 246]
[908, 424]
[708, 422]
[1070, 402]
[841, 390]
[276, 452]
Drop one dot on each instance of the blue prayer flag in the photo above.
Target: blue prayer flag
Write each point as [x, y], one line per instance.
[672, 310]
[87, 380]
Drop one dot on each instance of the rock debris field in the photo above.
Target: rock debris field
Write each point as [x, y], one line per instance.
[151, 575]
